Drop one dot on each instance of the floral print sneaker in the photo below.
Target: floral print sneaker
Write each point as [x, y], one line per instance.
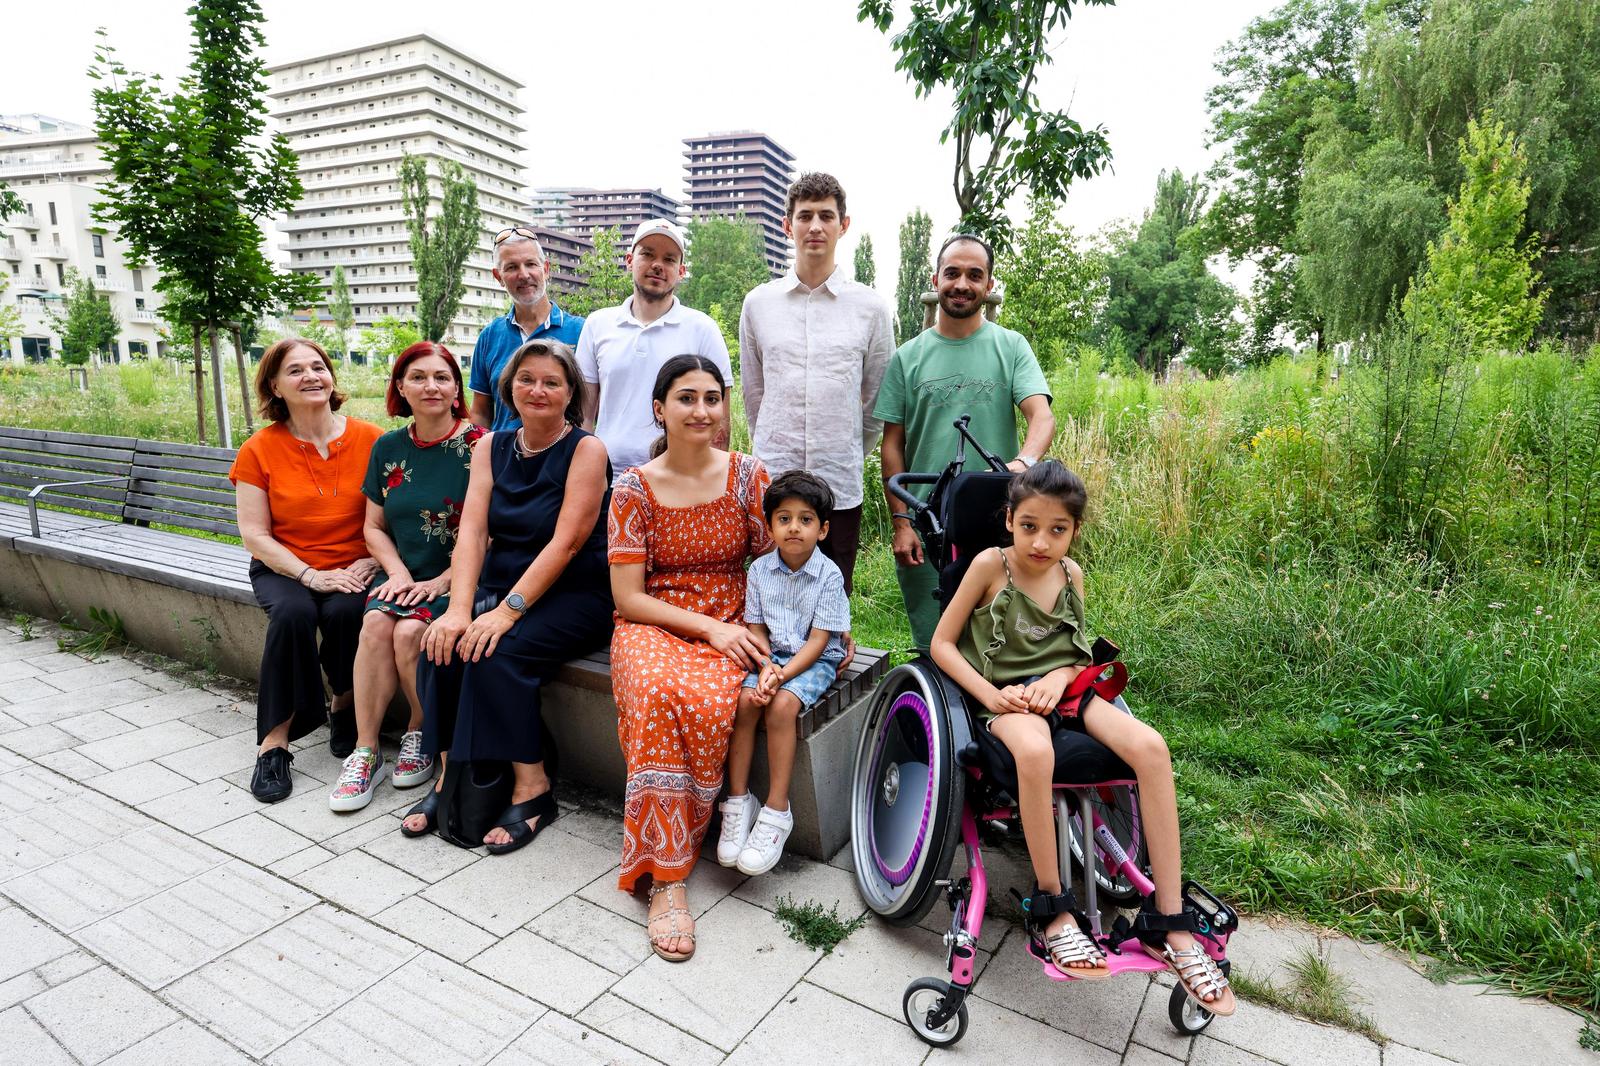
[412, 767]
[363, 769]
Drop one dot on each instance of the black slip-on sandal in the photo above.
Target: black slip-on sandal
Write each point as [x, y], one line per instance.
[428, 807]
[515, 822]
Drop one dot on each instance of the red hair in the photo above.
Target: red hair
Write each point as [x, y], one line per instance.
[397, 405]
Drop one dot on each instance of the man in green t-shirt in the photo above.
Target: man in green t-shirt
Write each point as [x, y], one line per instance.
[963, 365]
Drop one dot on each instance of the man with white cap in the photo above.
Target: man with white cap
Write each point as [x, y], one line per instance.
[624, 347]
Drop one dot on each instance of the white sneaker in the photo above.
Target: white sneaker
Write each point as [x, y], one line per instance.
[765, 846]
[738, 814]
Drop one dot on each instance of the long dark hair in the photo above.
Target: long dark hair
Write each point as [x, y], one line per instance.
[671, 371]
[1052, 479]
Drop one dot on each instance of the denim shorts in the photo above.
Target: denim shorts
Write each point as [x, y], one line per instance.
[809, 686]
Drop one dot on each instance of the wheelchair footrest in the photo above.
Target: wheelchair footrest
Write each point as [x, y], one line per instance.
[1132, 959]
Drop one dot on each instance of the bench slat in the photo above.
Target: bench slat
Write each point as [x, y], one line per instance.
[183, 508]
[167, 518]
[60, 452]
[178, 497]
[172, 462]
[168, 448]
[156, 543]
[92, 440]
[52, 467]
[155, 476]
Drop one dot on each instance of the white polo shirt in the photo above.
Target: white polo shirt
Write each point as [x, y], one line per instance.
[623, 356]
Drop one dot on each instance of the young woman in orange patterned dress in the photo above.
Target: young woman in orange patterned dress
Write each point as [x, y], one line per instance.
[682, 528]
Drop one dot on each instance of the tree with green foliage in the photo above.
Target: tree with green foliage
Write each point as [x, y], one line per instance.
[866, 269]
[1479, 283]
[916, 272]
[1535, 64]
[1159, 295]
[1367, 213]
[385, 339]
[86, 323]
[342, 311]
[194, 172]
[605, 283]
[1273, 78]
[439, 246]
[10, 202]
[10, 317]
[1053, 287]
[988, 56]
[726, 261]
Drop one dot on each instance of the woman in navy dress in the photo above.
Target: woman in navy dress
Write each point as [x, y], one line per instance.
[531, 555]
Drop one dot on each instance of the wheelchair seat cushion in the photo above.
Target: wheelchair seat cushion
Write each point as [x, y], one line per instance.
[1080, 759]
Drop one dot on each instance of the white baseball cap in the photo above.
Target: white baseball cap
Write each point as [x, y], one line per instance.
[652, 226]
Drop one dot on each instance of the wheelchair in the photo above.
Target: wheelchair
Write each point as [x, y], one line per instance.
[927, 775]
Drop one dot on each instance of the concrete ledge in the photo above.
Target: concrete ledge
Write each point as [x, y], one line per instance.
[580, 712]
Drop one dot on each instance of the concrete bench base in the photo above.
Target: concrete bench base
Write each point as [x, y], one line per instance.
[581, 714]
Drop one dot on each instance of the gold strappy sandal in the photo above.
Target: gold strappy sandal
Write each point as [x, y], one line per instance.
[671, 914]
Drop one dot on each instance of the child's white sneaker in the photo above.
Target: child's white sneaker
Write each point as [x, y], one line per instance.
[765, 846]
[738, 815]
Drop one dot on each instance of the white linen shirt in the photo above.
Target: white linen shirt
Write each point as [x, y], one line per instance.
[812, 361]
[623, 356]
[791, 603]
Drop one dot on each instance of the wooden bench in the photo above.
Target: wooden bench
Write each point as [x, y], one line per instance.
[95, 521]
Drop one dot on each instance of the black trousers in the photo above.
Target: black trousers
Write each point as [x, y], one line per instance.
[291, 681]
[844, 542]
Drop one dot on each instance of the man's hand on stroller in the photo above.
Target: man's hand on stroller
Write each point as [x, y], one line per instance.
[907, 546]
[743, 646]
[1044, 694]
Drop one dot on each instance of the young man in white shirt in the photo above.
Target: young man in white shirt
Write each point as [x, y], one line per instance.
[623, 347]
[813, 347]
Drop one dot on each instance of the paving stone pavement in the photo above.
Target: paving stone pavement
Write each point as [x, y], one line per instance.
[152, 913]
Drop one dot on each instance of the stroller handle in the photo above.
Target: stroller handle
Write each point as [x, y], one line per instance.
[897, 483]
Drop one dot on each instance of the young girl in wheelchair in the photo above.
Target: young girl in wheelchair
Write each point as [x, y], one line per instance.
[1013, 637]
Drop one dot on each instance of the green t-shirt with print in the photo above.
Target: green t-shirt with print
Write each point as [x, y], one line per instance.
[932, 381]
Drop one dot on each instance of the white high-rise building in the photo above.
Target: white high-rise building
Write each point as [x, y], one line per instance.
[55, 166]
[348, 116]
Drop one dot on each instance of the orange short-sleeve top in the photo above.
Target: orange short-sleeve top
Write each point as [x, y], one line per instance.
[316, 504]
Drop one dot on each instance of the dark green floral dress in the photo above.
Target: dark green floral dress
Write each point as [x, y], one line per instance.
[421, 488]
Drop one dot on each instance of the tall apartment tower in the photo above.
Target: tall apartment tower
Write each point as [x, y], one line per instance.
[742, 172]
[349, 116]
[622, 209]
[55, 166]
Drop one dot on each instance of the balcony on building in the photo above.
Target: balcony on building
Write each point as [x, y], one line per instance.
[28, 221]
[51, 250]
[111, 285]
[9, 250]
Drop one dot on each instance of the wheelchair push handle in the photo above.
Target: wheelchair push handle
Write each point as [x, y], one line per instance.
[897, 488]
[997, 464]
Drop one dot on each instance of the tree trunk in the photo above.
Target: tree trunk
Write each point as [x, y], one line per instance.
[199, 388]
[244, 379]
[218, 386]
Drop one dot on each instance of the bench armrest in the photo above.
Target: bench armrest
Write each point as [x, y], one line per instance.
[33, 494]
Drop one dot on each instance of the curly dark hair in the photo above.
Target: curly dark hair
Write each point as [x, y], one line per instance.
[814, 185]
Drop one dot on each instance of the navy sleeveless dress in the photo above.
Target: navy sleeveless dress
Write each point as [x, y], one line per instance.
[499, 697]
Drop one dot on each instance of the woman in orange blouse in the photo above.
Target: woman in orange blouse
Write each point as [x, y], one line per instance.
[682, 527]
[300, 513]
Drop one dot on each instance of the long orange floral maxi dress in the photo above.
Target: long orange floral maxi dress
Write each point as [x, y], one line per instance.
[676, 697]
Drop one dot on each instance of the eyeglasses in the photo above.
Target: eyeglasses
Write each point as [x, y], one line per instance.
[506, 234]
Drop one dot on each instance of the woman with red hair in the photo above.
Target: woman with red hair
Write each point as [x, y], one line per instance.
[416, 482]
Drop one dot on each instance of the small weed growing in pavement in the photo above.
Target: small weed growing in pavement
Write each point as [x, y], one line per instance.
[105, 630]
[1316, 991]
[814, 927]
[1589, 1037]
[24, 623]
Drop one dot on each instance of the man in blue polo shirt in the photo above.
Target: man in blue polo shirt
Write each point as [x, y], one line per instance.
[521, 267]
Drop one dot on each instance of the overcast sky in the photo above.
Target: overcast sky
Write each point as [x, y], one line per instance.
[614, 85]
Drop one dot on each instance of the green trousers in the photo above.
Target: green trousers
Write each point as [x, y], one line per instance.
[917, 586]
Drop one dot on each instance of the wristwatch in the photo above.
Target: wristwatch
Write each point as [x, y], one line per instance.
[517, 604]
[1028, 461]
